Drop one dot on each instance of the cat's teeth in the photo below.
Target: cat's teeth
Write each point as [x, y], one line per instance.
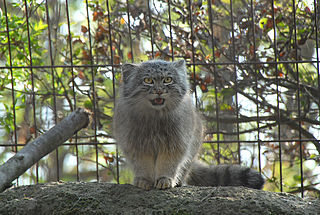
[158, 101]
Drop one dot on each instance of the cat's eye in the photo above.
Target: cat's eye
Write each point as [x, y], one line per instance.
[167, 80]
[148, 80]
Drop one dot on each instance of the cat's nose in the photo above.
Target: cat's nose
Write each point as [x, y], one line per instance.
[159, 91]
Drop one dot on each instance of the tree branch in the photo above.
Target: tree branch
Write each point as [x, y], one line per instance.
[283, 118]
[42, 146]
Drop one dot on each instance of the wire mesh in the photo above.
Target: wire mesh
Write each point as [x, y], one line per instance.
[254, 73]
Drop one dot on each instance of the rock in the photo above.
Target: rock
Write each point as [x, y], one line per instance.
[106, 198]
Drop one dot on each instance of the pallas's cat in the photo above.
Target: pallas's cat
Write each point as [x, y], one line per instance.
[160, 132]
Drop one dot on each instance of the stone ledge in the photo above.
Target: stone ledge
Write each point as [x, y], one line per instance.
[106, 198]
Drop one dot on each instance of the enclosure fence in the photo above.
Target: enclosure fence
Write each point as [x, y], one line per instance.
[253, 66]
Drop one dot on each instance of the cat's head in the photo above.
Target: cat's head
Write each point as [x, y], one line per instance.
[155, 84]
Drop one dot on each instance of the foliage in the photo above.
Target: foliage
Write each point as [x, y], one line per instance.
[252, 68]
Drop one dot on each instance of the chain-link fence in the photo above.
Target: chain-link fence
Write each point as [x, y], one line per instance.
[254, 72]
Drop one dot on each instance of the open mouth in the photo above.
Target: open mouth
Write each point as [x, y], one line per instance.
[157, 101]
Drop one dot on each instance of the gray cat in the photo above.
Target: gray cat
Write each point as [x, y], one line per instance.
[160, 132]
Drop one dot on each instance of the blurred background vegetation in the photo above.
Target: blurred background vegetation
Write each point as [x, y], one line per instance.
[254, 72]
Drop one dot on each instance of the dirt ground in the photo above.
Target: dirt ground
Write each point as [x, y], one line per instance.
[105, 198]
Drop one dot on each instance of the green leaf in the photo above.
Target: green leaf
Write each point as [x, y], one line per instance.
[297, 177]
[227, 92]
[39, 26]
[7, 128]
[262, 22]
[88, 104]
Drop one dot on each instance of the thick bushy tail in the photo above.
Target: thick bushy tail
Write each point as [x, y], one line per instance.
[224, 175]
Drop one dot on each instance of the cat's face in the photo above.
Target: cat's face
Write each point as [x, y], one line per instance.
[155, 84]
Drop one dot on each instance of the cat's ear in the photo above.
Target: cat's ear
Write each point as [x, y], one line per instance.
[127, 69]
[179, 63]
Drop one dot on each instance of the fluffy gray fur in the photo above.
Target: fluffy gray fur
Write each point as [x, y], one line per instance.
[160, 132]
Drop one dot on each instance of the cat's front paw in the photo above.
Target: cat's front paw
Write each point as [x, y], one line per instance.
[142, 183]
[163, 183]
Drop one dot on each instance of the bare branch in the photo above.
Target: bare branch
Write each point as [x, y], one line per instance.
[42, 146]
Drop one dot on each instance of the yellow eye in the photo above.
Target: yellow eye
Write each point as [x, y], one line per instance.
[148, 80]
[167, 80]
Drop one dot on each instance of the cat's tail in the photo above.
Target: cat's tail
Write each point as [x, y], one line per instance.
[224, 175]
